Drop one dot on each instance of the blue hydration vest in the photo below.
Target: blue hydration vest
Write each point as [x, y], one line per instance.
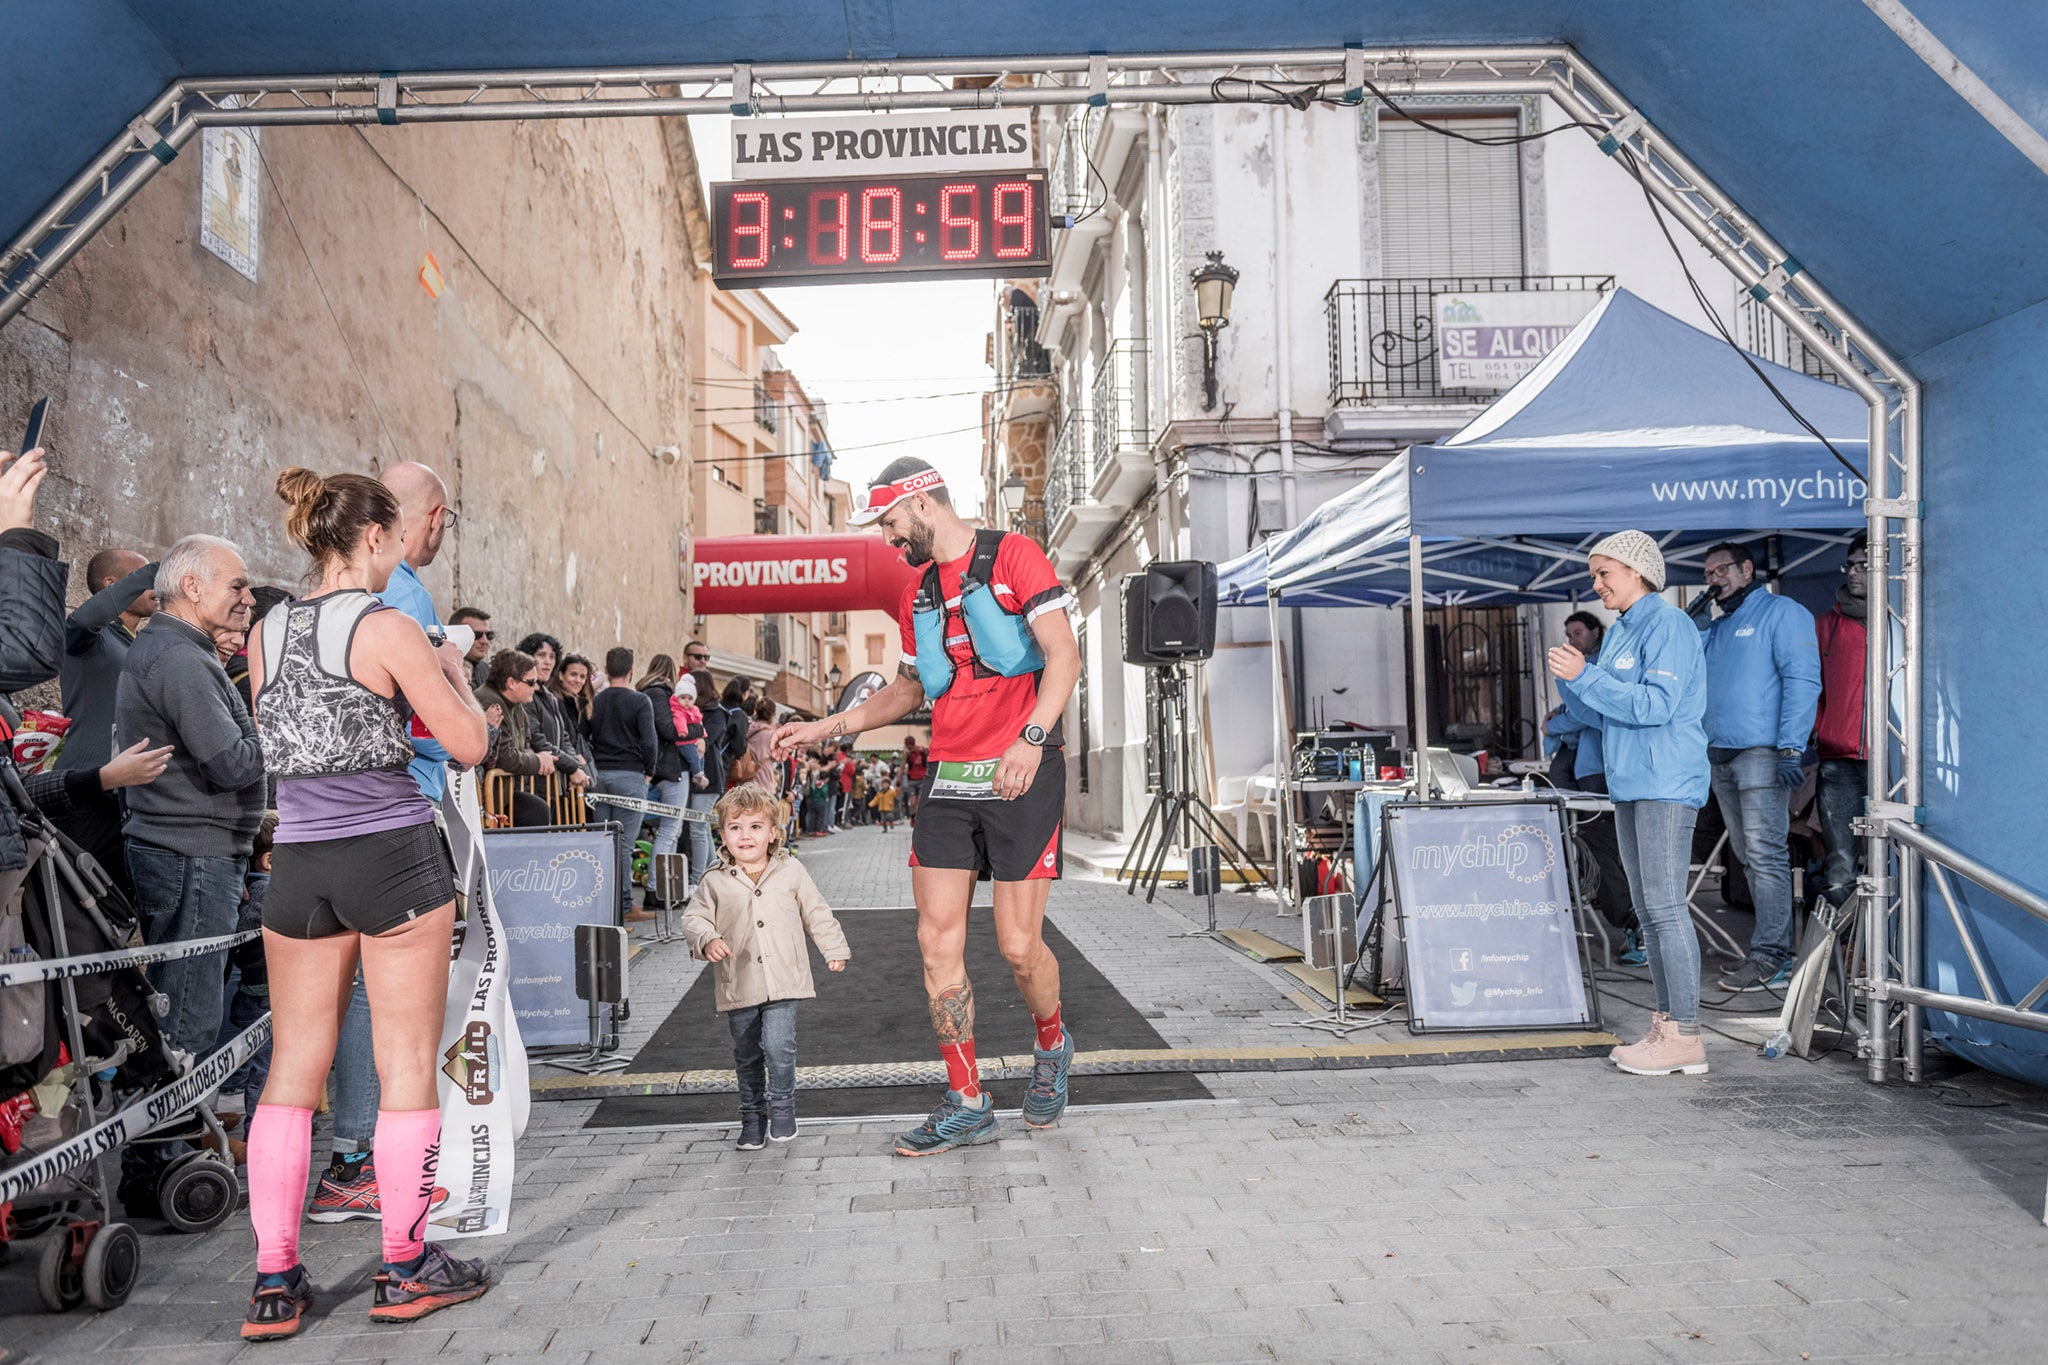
[1001, 640]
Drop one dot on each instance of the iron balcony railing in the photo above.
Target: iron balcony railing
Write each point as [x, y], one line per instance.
[1070, 475]
[764, 407]
[1763, 333]
[1117, 402]
[1383, 344]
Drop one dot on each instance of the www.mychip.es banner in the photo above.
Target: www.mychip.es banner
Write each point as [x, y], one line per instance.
[484, 1096]
[543, 884]
[1485, 898]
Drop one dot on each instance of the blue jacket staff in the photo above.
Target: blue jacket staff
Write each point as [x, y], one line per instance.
[1646, 697]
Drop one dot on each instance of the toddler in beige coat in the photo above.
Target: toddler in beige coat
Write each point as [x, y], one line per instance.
[748, 919]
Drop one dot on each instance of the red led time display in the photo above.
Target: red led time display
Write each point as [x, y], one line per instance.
[907, 227]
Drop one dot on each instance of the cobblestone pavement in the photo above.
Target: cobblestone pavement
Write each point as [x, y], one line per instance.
[1551, 1211]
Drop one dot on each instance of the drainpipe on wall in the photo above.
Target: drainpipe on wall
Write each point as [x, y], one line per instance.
[1283, 377]
[1283, 290]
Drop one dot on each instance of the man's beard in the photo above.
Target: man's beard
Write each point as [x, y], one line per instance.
[917, 545]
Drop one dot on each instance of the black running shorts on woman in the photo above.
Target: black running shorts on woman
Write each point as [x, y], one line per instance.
[1005, 841]
[363, 884]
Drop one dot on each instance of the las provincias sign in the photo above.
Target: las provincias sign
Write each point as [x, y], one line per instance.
[930, 142]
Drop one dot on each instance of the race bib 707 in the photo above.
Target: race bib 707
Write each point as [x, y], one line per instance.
[966, 781]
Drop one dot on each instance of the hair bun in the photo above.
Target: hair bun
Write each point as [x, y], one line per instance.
[300, 487]
[302, 490]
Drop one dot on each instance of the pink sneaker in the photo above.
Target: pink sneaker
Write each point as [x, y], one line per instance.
[1663, 1053]
[1659, 1023]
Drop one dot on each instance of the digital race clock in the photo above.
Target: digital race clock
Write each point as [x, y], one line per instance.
[916, 227]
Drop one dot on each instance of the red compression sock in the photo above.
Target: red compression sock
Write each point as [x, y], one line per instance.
[961, 1073]
[1049, 1030]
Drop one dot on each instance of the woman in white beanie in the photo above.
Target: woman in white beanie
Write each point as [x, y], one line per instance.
[1646, 696]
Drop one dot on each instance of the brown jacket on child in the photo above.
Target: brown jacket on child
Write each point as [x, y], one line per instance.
[764, 926]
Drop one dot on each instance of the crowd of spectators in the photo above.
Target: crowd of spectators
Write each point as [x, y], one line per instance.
[160, 775]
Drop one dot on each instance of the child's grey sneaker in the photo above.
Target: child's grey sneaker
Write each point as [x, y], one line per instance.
[781, 1119]
[753, 1131]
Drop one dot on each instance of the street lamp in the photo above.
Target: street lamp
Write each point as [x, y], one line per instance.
[1213, 283]
[832, 677]
[1012, 492]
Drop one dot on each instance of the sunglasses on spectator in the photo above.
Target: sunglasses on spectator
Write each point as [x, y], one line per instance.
[528, 682]
[698, 658]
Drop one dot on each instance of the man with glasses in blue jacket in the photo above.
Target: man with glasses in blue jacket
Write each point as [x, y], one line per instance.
[1763, 683]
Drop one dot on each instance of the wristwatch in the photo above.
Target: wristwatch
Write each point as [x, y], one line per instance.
[1035, 734]
[1791, 753]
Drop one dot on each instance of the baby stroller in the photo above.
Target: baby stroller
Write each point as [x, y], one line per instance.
[83, 1053]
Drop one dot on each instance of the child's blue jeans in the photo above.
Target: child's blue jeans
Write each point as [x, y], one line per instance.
[764, 1053]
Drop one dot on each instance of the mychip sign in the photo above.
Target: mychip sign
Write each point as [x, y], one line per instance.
[1484, 892]
[1488, 341]
[544, 883]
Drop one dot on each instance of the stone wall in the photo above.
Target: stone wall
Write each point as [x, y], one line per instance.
[539, 383]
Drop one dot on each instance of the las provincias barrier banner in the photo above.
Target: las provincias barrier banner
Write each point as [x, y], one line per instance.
[1484, 892]
[484, 1095]
[544, 884]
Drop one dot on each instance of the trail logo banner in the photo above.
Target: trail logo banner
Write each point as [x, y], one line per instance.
[484, 1095]
[1484, 892]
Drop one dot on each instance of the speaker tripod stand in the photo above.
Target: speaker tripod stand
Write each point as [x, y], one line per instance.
[1177, 813]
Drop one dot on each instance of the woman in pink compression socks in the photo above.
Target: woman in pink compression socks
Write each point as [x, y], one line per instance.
[358, 870]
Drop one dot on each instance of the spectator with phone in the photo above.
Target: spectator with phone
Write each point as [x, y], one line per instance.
[31, 611]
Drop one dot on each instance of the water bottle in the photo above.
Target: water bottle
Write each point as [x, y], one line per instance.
[1528, 785]
[1777, 1045]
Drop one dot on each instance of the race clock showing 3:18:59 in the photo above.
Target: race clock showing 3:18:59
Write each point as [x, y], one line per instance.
[912, 227]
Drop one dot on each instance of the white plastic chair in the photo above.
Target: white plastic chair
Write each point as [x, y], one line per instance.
[1244, 799]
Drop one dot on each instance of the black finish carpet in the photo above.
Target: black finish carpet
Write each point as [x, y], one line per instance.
[874, 1012]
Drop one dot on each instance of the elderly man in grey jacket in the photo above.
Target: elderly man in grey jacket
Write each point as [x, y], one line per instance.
[189, 833]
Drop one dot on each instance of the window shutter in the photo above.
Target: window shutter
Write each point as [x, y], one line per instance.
[1447, 207]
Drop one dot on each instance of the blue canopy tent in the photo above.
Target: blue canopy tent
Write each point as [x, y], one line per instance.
[1635, 419]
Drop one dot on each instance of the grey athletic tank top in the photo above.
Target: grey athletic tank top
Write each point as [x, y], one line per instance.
[338, 750]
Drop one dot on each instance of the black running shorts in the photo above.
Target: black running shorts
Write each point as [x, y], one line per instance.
[362, 884]
[1004, 841]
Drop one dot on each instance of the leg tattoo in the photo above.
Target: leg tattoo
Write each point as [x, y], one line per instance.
[953, 1014]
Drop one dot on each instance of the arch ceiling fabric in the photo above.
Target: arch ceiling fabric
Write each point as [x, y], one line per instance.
[1921, 217]
[1812, 113]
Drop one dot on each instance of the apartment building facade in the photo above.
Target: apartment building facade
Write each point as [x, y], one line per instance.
[762, 466]
[1129, 433]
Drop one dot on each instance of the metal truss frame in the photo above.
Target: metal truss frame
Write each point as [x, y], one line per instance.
[1888, 978]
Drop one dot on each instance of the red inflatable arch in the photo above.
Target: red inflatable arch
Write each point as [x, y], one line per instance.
[734, 575]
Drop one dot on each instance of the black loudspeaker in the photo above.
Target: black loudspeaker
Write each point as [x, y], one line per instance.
[1170, 613]
[601, 956]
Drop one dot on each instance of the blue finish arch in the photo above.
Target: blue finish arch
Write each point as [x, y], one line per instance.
[1923, 219]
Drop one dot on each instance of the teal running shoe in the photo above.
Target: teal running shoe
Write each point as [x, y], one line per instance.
[955, 1123]
[1046, 1100]
[1632, 954]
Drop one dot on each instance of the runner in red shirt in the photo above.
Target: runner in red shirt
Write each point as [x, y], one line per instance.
[913, 774]
[991, 799]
